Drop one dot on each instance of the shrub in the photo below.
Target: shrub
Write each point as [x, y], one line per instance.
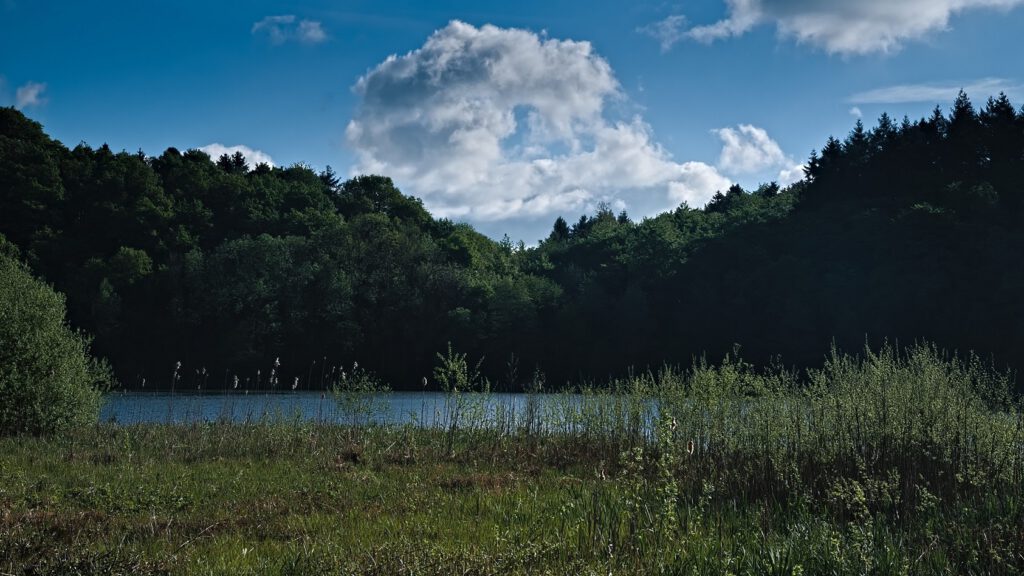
[48, 380]
[359, 396]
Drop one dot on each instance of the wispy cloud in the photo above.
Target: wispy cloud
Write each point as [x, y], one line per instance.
[743, 15]
[938, 92]
[844, 27]
[30, 94]
[856, 112]
[311, 32]
[286, 27]
[275, 27]
[667, 32]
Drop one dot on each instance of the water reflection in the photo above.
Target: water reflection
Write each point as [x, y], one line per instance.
[418, 408]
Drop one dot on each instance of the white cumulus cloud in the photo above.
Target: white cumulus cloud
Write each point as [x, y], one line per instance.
[844, 27]
[748, 150]
[791, 174]
[489, 124]
[252, 157]
[29, 94]
[285, 27]
[696, 181]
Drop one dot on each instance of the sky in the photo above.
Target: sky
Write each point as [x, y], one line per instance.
[505, 115]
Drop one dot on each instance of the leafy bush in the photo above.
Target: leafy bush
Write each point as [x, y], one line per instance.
[48, 380]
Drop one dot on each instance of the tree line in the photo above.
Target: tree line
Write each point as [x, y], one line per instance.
[905, 231]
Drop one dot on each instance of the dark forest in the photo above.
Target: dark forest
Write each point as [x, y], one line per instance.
[901, 232]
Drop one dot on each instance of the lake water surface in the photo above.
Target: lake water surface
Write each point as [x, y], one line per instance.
[420, 408]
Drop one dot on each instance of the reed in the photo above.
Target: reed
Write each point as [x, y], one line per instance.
[890, 461]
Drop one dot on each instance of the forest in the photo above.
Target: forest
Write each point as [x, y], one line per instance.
[902, 232]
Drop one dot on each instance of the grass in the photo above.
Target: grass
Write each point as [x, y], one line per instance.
[889, 462]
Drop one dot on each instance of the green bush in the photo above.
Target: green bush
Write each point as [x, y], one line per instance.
[48, 380]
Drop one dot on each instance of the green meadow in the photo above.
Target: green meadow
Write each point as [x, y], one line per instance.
[896, 461]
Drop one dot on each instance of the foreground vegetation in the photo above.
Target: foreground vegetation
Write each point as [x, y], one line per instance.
[48, 380]
[891, 462]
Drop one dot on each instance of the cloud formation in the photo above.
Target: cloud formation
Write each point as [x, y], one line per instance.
[698, 179]
[855, 27]
[743, 15]
[944, 92]
[29, 94]
[667, 32]
[281, 29]
[252, 157]
[748, 150]
[311, 32]
[491, 124]
[791, 174]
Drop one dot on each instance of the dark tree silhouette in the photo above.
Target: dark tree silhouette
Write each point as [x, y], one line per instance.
[902, 231]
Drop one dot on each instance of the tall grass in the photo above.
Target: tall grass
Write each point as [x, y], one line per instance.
[886, 438]
[891, 461]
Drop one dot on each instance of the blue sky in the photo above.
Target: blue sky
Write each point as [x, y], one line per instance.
[505, 115]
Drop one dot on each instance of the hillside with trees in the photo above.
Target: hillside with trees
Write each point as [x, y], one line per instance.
[903, 231]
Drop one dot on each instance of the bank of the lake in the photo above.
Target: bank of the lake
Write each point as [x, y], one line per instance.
[888, 463]
[316, 499]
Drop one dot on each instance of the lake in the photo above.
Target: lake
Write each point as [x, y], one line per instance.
[418, 408]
